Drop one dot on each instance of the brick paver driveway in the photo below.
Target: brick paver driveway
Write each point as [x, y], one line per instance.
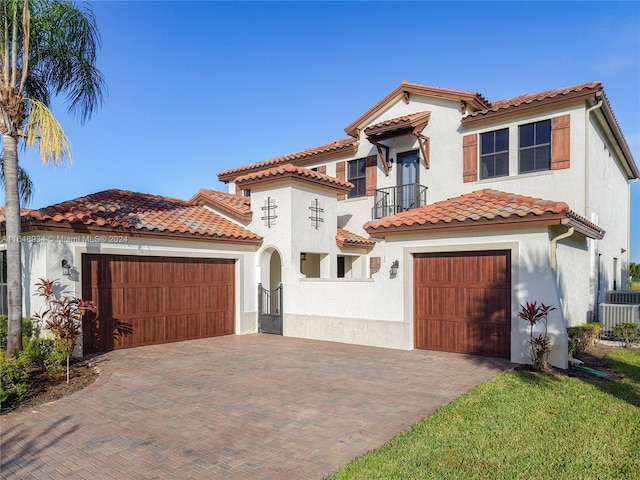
[240, 407]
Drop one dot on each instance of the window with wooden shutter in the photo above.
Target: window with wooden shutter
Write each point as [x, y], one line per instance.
[470, 158]
[322, 169]
[560, 142]
[372, 174]
[340, 176]
[534, 153]
[357, 175]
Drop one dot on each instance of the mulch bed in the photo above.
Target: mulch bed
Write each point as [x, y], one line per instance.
[592, 358]
[46, 387]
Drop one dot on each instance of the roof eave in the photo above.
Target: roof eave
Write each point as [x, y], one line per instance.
[306, 160]
[484, 224]
[618, 135]
[203, 199]
[518, 110]
[84, 229]
[287, 177]
[353, 246]
[474, 99]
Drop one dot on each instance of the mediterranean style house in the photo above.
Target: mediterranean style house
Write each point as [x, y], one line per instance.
[427, 227]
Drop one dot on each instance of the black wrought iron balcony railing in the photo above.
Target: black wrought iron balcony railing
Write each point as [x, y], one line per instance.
[391, 200]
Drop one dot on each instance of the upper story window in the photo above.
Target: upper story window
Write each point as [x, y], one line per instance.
[535, 147]
[494, 154]
[357, 174]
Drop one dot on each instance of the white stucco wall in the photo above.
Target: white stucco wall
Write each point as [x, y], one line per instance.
[380, 311]
[608, 197]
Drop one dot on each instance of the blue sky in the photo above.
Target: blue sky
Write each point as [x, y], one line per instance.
[199, 87]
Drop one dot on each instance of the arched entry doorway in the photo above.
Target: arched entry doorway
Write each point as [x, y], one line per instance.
[270, 292]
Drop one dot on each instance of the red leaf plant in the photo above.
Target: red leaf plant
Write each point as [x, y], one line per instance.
[62, 314]
[533, 313]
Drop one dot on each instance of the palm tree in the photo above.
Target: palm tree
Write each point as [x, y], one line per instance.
[47, 48]
[25, 185]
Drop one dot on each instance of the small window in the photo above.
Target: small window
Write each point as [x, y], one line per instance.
[535, 147]
[494, 154]
[357, 174]
[341, 265]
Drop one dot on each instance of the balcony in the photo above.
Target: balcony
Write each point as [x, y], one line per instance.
[391, 200]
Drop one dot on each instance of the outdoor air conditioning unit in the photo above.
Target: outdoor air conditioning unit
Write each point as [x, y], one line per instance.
[613, 314]
[622, 297]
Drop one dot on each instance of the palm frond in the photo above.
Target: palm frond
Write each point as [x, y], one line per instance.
[25, 185]
[67, 40]
[47, 131]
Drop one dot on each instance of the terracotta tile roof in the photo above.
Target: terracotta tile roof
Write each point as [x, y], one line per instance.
[344, 145]
[483, 208]
[536, 98]
[345, 238]
[23, 212]
[291, 171]
[234, 205]
[474, 99]
[394, 124]
[141, 212]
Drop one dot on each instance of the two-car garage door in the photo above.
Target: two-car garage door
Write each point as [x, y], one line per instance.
[144, 300]
[462, 302]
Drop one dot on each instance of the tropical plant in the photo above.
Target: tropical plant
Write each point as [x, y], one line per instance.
[25, 185]
[533, 314]
[47, 48]
[62, 315]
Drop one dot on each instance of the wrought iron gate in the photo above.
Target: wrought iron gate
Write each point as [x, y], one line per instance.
[270, 310]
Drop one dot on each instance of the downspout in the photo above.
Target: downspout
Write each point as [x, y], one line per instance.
[586, 156]
[553, 245]
[629, 183]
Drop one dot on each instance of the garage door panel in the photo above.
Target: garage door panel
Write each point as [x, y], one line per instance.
[182, 298]
[219, 297]
[156, 299]
[462, 302]
[147, 330]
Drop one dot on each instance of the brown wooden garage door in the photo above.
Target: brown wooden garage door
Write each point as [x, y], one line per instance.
[462, 302]
[149, 300]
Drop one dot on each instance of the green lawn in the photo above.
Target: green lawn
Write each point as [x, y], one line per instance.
[522, 425]
[634, 285]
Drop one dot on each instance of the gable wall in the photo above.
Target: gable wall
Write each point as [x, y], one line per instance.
[609, 207]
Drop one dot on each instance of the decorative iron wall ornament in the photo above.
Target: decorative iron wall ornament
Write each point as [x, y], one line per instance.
[269, 211]
[316, 214]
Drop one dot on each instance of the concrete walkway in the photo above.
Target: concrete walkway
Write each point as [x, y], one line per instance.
[237, 407]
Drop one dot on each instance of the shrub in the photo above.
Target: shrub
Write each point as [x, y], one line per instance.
[583, 336]
[628, 332]
[44, 354]
[29, 329]
[13, 379]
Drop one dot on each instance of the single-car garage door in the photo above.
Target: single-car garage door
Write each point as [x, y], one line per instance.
[147, 300]
[462, 302]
